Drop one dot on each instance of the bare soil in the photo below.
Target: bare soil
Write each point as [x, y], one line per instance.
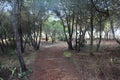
[51, 64]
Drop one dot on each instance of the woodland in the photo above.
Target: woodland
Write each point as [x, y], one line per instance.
[59, 39]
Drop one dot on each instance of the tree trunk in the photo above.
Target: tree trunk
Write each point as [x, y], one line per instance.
[1, 47]
[76, 39]
[69, 24]
[6, 41]
[98, 45]
[2, 42]
[70, 47]
[106, 35]
[91, 26]
[111, 24]
[76, 35]
[15, 23]
[46, 37]
[21, 39]
[41, 25]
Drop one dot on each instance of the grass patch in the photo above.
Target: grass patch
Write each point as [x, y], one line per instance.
[12, 60]
[30, 58]
[67, 54]
[9, 62]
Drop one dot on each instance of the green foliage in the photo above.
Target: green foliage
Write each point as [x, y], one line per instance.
[7, 73]
[107, 26]
[114, 60]
[54, 29]
[67, 54]
[10, 51]
[24, 74]
[12, 72]
[61, 38]
[21, 74]
[1, 78]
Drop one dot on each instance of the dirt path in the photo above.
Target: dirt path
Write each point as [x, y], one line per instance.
[50, 64]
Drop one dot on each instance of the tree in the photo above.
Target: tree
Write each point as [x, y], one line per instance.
[6, 31]
[67, 17]
[47, 30]
[73, 14]
[15, 23]
[113, 16]
[100, 31]
[91, 27]
[56, 30]
[37, 16]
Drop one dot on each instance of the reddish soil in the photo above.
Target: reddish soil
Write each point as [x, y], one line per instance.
[50, 64]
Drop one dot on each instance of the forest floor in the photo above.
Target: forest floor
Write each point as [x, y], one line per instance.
[51, 64]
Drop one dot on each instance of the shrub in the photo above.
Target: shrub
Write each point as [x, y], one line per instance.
[6, 73]
[61, 38]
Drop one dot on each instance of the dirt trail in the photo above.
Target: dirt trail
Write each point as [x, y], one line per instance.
[50, 64]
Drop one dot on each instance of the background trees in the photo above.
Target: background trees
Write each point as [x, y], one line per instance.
[77, 18]
[54, 30]
[23, 22]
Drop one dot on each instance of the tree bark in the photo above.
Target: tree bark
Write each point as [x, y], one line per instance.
[76, 36]
[100, 35]
[15, 23]
[91, 27]
[112, 28]
[46, 37]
